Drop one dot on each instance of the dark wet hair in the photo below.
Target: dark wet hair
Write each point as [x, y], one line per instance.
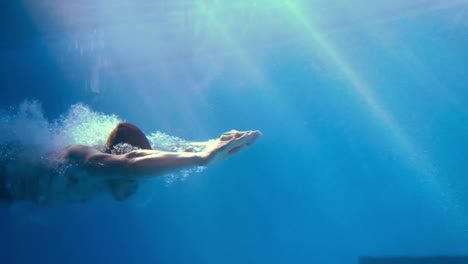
[127, 133]
[130, 134]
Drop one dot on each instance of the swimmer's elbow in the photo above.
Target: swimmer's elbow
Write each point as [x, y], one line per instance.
[142, 167]
[133, 168]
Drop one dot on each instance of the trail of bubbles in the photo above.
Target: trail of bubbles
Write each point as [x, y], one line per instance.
[162, 141]
[81, 125]
[25, 126]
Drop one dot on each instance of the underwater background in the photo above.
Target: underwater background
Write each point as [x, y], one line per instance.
[363, 106]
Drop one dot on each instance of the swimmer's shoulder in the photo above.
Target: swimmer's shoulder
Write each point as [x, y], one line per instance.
[79, 152]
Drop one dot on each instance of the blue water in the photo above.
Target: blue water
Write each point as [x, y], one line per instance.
[363, 109]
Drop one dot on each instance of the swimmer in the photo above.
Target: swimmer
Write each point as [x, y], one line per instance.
[89, 171]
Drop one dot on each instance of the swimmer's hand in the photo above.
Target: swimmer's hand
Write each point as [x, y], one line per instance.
[228, 144]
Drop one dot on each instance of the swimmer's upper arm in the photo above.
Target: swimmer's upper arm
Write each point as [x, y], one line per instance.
[93, 159]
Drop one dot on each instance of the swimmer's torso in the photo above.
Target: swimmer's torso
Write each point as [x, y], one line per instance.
[52, 182]
[49, 185]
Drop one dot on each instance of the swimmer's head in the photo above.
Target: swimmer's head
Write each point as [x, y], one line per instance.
[127, 133]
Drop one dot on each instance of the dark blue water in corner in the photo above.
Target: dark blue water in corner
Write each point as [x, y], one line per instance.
[363, 109]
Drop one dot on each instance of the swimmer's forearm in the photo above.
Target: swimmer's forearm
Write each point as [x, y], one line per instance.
[150, 163]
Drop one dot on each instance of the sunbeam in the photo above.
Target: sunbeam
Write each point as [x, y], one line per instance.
[410, 152]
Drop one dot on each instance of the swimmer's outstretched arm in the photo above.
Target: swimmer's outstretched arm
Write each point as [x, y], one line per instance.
[154, 163]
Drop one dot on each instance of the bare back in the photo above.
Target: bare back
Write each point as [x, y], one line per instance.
[48, 184]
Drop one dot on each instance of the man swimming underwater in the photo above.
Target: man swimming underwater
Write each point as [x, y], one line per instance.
[87, 171]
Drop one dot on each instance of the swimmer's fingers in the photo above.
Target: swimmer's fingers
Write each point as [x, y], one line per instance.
[240, 134]
[249, 137]
[243, 140]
